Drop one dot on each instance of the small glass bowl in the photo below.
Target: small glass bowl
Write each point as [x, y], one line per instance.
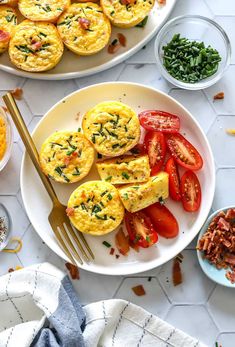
[194, 28]
[7, 220]
[9, 139]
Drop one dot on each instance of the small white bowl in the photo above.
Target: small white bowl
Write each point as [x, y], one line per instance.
[9, 139]
[7, 220]
[209, 269]
[194, 28]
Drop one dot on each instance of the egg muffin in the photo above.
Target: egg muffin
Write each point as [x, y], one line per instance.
[95, 208]
[66, 156]
[112, 127]
[48, 10]
[35, 46]
[84, 29]
[8, 22]
[126, 13]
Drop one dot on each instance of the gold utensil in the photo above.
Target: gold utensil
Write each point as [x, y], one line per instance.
[58, 219]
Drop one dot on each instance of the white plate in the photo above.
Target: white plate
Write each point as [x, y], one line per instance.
[64, 115]
[72, 66]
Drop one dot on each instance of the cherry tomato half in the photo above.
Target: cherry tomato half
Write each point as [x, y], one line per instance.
[190, 191]
[174, 181]
[140, 229]
[184, 153]
[163, 220]
[156, 149]
[156, 120]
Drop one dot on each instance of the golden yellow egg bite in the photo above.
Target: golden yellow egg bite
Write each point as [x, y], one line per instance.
[48, 11]
[95, 208]
[126, 13]
[35, 46]
[112, 127]
[84, 29]
[8, 22]
[66, 156]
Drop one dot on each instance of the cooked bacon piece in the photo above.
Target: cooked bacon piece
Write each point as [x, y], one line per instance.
[223, 224]
[176, 272]
[230, 275]
[73, 270]
[161, 2]
[84, 23]
[70, 211]
[36, 45]
[112, 250]
[4, 36]
[121, 39]
[139, 290]
[113, 48]
[219, 96]
[17, 93]
[218, 242]
[122, 242]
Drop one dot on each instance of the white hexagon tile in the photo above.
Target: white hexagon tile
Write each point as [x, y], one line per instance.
[197, 306]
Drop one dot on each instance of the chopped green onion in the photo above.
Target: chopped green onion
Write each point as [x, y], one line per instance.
[106, 244]
[125, 175]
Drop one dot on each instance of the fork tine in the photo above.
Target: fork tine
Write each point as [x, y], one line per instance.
[73, 237]
[69, 244]
[64, 247]
[86, 245]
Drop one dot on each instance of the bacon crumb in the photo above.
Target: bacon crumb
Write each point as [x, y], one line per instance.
[84, 23]
[70, 211]
[121, 39]
[161, 2]
[113, 48]
[112, 250]
[139, 290]
[17, 93]
[11, 269]
[73, 270]
[219, 96]
[176, 272]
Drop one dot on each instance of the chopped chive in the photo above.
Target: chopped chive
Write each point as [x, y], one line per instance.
[106, 244]
[115, 145]
[102, 194]
[161, 200]
[109, 196]
[108, 178]
[125, 196]
[77, 172]
[143, 23]
[79, 130]
[71, 151]
[101, 217]
[147, 238]
[84, 206]
[125, 175]
[111, 217]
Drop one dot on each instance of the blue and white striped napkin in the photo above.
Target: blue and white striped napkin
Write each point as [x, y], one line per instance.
[39, 308]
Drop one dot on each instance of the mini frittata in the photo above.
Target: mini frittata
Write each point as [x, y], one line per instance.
[138, 196]
[8, 22]
[84, 28]
[125, 169]
[126, 13]
[3, 137]
[95, 208]
[35, 46]
[112, 127]
[66, 156]
[45, 10]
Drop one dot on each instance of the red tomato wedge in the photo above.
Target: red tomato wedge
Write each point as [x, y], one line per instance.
[184, 153]
[163, 220]
[190, 192]
[155, 145]
[156, 120]
[140, 229]
[122, 243]
[174, 181]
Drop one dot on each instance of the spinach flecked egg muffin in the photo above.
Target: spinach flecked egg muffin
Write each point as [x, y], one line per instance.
[35, 46]
[126, 13]
[48, 10]
[112, 127]
[84, 29]
[8, 22]
[66, 156]
[95, 208]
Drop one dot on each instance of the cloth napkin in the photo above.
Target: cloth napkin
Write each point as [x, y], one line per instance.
[39, 308]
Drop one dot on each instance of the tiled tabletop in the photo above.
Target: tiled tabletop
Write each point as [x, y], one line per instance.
[198, 306]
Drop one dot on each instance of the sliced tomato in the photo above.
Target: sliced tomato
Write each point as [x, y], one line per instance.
[190, 191]
[156, 149]
[163, 220]
[174, 181]
[156, 120]
[140, 229]
[184, 152]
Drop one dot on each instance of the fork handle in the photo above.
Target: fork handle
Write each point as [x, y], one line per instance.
[28, 142]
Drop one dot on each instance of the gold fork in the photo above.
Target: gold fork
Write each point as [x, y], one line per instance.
[58, 219]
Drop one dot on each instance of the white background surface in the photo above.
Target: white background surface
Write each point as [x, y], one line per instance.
[197, 306]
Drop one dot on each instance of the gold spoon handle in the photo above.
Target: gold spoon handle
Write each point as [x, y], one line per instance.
[28, 142]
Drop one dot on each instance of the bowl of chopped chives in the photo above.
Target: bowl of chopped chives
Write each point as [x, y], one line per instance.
[192, 52]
